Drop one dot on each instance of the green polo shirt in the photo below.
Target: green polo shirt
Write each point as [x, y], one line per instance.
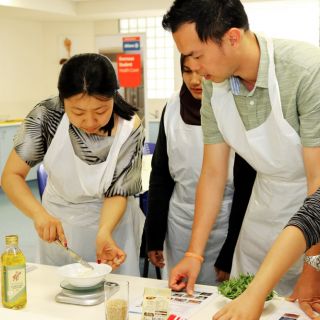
[298, 73]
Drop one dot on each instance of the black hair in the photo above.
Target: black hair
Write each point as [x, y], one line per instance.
[213, 18]
[93, 74]
[182, 60]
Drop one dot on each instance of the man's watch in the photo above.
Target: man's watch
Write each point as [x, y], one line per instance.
[313, 261]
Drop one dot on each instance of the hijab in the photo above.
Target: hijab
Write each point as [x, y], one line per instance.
[189, 106]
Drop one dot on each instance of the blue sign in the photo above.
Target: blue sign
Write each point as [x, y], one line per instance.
[133, 45]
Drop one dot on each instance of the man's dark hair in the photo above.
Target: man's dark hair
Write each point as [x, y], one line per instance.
[212, 18]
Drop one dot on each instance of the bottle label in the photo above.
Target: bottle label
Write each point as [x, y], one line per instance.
[14, 282]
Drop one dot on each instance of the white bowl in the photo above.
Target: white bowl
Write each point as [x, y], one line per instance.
[79, 276]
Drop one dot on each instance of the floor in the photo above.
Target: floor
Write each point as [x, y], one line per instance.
[12, 221]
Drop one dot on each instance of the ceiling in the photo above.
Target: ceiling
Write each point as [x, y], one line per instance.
[68, 10]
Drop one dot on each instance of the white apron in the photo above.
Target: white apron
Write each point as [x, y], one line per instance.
[74, 194]
[274, 150]
[185, 153]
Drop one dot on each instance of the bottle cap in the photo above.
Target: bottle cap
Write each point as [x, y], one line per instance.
[11, 239]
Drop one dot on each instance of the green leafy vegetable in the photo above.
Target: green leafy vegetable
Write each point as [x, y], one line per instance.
[233, 287]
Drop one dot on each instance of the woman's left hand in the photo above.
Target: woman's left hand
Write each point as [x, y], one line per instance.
[108, 252]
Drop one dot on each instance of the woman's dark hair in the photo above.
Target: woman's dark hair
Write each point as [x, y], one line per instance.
[182, 60]
[189, 106]
[94, 75]
[213, 18]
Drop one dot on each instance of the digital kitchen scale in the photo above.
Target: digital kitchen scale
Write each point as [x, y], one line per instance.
[88, 296]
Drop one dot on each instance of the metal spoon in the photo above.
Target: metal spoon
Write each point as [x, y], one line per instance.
[75, 256]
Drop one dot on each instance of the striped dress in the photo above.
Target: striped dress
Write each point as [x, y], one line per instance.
[39, 127]
[307, 219]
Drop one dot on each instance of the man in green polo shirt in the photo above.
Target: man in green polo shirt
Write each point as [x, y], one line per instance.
[261, 97]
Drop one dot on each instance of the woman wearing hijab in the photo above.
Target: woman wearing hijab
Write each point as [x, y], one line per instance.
[90, 141]
[176, 166]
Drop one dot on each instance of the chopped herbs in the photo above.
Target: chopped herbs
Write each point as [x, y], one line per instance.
[233, 287]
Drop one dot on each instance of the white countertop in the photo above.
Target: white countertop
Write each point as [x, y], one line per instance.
[43, 283]
[8, 123]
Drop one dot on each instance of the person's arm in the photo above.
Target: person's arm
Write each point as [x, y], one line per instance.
[209, 195]
[305, 290]
[19, 193]
[160, 190]
[30, 145]
[249, 305]
[308, 221]
[127, 183]
[243, 177]
[107, 250]
[293, 240]
[301, 232]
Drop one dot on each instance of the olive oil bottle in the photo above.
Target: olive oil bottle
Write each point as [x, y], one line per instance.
[13, 275]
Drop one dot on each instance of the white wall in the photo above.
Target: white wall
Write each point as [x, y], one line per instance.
[83, 40]
[30, 50]
[106, 27]
[21, 65]
[29, 59]
[290, 19]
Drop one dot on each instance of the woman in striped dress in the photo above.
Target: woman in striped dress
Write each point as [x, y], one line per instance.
[90, 141]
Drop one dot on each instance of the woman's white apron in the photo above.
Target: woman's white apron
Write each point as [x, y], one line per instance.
[75, 193]
[185, 153]
[274, 150]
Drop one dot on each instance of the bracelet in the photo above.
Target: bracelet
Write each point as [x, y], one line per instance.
[194, 255]
[313, 261]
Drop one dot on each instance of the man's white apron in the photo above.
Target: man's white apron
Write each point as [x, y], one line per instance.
[274, 150]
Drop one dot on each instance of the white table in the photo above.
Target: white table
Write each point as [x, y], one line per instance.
[43, 283]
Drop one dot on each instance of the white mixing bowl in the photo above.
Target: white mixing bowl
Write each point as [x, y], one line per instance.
[79, 276]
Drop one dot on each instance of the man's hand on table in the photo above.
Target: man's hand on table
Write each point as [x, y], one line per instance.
[184, 275]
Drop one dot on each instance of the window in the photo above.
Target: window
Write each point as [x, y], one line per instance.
[291, 19]
[159, 62]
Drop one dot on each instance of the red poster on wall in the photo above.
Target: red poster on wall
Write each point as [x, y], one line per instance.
[129, 70]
